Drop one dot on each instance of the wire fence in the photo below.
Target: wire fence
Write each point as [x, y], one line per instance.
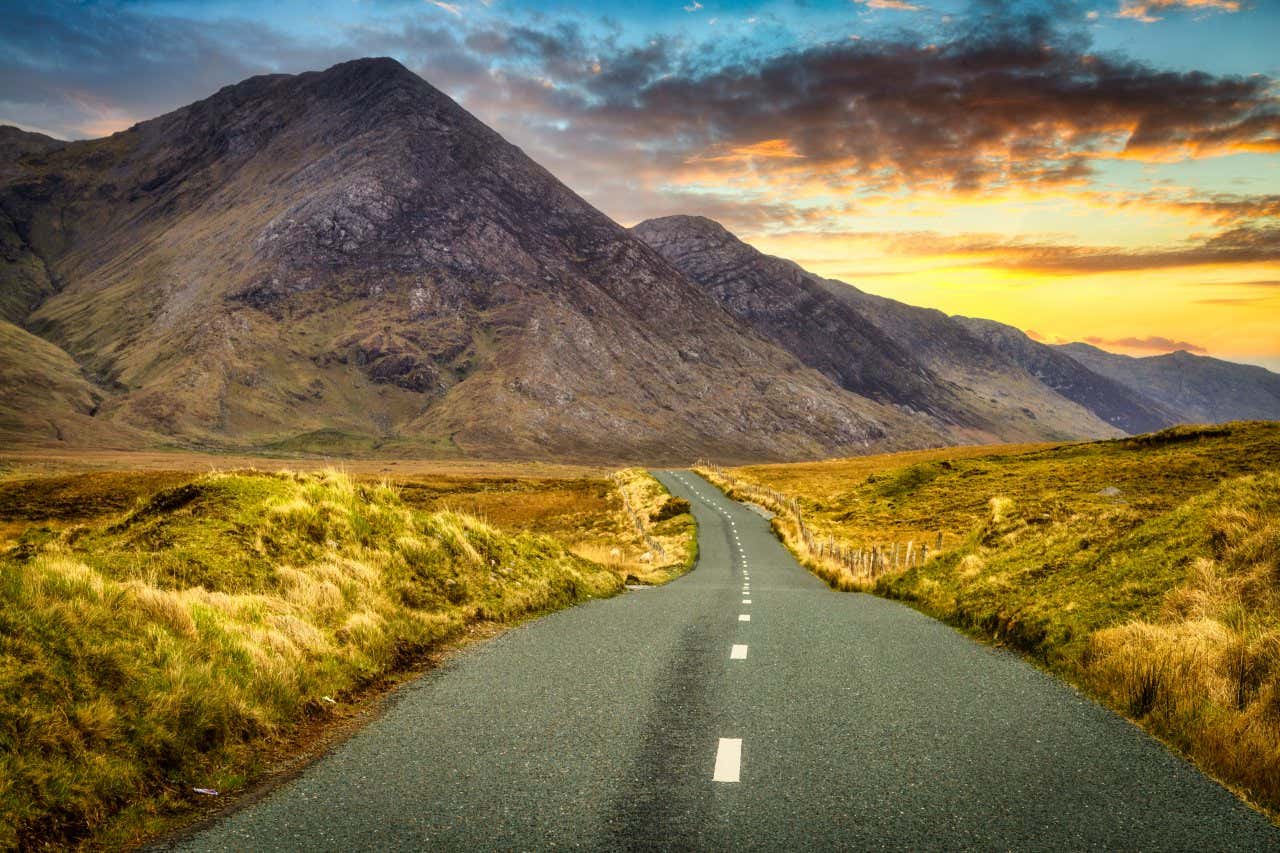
[868, 561]
[638, 520]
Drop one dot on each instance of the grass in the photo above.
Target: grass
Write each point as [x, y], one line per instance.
[589, 514]
[159, 631]
[1145, 570]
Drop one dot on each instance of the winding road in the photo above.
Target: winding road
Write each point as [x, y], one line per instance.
[743, 706]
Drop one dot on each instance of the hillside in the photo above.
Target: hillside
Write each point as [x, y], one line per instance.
[351, 253]
[873, 346]
[1119, 405]
[1198, 388]
[173, 631]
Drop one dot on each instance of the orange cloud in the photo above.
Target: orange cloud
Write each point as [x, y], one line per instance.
[769, 149]
[898, 5]
[1146, 10]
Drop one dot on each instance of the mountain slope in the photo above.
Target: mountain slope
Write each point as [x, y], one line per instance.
[876, 347]
[1117, 404]
[46, 399]
[1199, 388]
[351, 250]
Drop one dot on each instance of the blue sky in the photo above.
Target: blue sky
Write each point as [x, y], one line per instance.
[1105, 170]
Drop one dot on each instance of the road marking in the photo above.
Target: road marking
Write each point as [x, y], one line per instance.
[738, 652]
[746, 601]
[728, 760]
[744, 617]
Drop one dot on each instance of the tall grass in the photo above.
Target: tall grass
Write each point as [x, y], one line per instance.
[661, 540]
[153, 653]
[1205, 672]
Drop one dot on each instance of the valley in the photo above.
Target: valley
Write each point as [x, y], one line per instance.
[362, 485]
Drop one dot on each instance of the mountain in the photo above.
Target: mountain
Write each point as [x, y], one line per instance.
[1198, 388]
[876, 347]
[1119, 405]
[349, 259]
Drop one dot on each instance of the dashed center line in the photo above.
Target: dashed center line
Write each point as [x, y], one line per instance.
[746, 601]
[728, 760]
[744, 617]
[738, 652]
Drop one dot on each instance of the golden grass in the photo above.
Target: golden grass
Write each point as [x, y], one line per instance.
[1145, 570]
[153, 651]
[663, 541]
[1204, 673]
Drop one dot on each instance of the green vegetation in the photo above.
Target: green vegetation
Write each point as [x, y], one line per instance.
[158, 632]
[332, 441]
[1145, 570]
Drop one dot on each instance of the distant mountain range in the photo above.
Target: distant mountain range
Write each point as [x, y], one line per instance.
[348, 261]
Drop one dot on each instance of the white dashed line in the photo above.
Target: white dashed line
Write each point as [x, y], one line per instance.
[744, 617]
[728, 760]
[746, 601]
[738, 652]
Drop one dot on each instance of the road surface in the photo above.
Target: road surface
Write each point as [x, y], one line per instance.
[744, 706]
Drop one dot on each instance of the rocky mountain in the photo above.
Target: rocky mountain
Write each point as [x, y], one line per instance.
[873, 346]
[1119, 405]
[348, 257]
[1199, 389]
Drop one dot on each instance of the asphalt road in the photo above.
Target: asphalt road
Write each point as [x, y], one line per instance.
[858, 723]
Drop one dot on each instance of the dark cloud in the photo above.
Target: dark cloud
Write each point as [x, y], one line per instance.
[1000, 98]
[1020, 105]
[1152, 344]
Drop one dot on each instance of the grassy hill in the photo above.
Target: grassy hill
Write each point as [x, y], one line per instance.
[169, 631]
[1145, 570]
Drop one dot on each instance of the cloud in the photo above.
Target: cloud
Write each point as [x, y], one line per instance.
[1243, 244]
[1148, 11]
[1222, 208]
[1000, 103]
[1232, 301]
[899, 5]
[693, 7]
[451, 8]
[1148, 344]
[992, 103]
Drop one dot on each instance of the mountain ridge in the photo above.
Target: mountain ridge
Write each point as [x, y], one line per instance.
[944, 371]
[1198, 387]
[351, 253]
[352, 250]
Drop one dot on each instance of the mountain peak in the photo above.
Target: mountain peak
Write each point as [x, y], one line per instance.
[351, 251]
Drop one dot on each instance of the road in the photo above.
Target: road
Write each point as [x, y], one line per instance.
[744, 706]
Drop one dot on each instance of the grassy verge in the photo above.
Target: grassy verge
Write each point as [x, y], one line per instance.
[156, 633]
[1144, 570]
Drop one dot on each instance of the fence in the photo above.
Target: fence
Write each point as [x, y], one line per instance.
[866, 561]
[639, 522]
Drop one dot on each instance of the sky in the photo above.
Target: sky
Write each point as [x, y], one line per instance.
[1104, 171]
